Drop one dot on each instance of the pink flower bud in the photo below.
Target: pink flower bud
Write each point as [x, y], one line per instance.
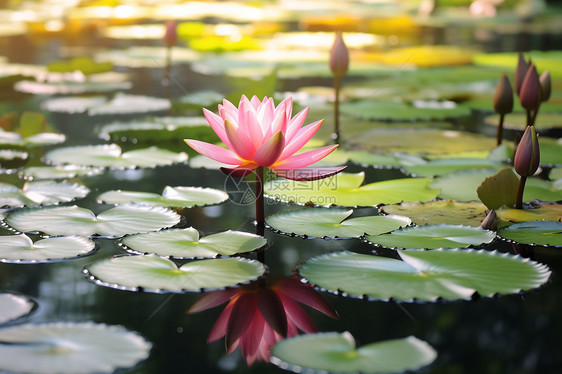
[171, 35]
[530, 94]
[546, 85]
[527, 156]
[339, 56]
[520, 72]
[503, 99]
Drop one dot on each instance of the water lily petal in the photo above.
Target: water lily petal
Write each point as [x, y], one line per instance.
[301, 160]
[255, 101]
[240, 141]
[265, 115]
[250, 341]
[279, 123]
[295, 124]
[214, 152]
[271, 308]
[240, 319]
[217, 124]
[305, 294]
[211, 299]
[219, 328]
[309, 173]
[300, 139]
[270, 151]
[249, 125]
[285, 106]
[298, 316]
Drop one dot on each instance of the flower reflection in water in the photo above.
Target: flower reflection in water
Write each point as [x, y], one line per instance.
[261, 314]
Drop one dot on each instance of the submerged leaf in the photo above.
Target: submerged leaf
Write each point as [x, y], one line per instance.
[424, 275]
[70, 348]
[155, 274]
[337, 352]
[333, 223]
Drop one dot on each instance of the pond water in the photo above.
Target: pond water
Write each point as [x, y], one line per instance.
[517, 333]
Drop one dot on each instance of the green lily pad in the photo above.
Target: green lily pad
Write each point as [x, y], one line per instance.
[99, 105]
[449, 274]
[555, 173]
[21, 249]
[58, 172]
[547, 233]
[545, 60]
[73, 220]
[378, 110]
[73, 84]
[85, 65]
[434, 236]
[186, 243]
[447, 165]
[386, 160]
[345, 189]
[70, 348]
[543, 190]
[147, 57]
[13, 139]
[204, 162]
[14, 306]
[518, 121]
[420, 140]
[337, 353]
[550, 151]
[155, 274]
[179, 197]
[461, 185]
[111, 156]
[540, 212]
[440, 211]
[499, 189]
[40, 193]
[10, 159]
[333, 223]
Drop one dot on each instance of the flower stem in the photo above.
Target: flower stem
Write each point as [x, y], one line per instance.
[260, 205]
[336, 134]
[520, 189]
[529, 117]
[499, 135]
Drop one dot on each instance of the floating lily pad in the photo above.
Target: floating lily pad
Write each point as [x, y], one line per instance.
[59, 172]
[337, 353]
[545, 60]
[147, 57]
[555, 173]
[179, 197]
[448, 274]
[439, 212]
[389, 160]
[40, 193]
[333, 223]
[21, 249]
[543, 190]
[14, 306]
[186, 243]
[550, 151]
[378, 110]
[111, 156]
[546, 212]
[461, 185]
[11, 159]
[518, 121]
[499, 189]
[70, 348]
[448, 165]
[421, 140]
[16, 140]
[155, 274]
[73, 220]
[547, 233]
[345, 189]
[98, 105]
[106, 83]
[433, 236]
[85, 65]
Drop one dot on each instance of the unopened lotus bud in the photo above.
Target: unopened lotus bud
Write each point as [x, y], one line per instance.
[530, 94]
[520, 72]
[339, 56]
[171, 35]
[546, 85]
[503, 99]
[527, 156]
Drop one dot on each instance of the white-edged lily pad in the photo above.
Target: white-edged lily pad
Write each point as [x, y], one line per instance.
[156, 274]
[180, 197]
[337, 353]
[21, 249]
[73, 220]
[378, 110]
[385, 160]
[99, 105]
[344, 189]
[13, 306]
[13, 139]
[434, 236]
[187, 244]
[333, 223]
[40, 193]
[111, 156]
[440, 211]
[448, 274]
[448, 165]
[10, 159]
[534, 232]
[58, 172]
[70, 348]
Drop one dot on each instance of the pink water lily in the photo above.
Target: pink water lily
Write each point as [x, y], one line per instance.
[257, 133]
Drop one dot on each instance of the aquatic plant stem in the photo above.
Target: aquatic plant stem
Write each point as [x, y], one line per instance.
[520, 189]
[336, 133]
[260, 205]
[499, 135]
[529, 117]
